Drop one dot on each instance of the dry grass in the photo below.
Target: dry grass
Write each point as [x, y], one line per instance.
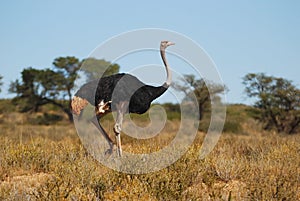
[49, 163]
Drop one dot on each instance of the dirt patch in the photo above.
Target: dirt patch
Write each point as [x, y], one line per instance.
[234, 189]
[24, 184]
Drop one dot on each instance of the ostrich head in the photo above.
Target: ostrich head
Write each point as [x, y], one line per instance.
[164, 44]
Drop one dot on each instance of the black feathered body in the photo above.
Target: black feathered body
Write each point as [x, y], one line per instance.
[121, 88]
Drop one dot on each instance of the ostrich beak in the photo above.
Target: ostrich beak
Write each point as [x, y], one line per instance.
[170, 43]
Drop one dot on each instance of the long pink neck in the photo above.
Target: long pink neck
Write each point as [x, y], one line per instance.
[169, 74]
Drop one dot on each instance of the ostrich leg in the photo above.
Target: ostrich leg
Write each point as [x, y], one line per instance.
[95, 121]
[121, 110]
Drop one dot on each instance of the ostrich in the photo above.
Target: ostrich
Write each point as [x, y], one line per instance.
[121, 93]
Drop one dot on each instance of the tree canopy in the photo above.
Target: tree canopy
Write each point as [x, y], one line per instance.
[204, 90]
[96, 68]
[51, 86]
[277, 104]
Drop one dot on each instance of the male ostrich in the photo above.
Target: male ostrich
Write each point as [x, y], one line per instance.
[121, 93]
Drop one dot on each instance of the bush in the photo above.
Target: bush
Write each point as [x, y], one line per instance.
[236, 116]
[6, 106]
[232, 126]
[46, 119]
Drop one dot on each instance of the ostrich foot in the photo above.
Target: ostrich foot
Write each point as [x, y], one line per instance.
[109, 151]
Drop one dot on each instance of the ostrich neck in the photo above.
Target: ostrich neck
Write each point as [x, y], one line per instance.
[169, 74]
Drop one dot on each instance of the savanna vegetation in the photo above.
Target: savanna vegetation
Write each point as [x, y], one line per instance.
[40, 162]
[42, 157]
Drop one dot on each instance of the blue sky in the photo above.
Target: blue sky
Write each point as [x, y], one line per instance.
[240, 36]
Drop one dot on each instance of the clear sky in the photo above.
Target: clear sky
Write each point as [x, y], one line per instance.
[240, 36]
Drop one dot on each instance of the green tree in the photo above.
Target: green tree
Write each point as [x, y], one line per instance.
[277, 104]
[204, 90]
[37, 88]
[67, 68]
[53, 86]
[96, 68]
[26, 91]
[40, 87]
[1, 83]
